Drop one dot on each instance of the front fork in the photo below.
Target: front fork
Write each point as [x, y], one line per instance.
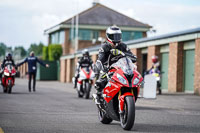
[121, 98]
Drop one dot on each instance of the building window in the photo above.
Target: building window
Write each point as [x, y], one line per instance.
[95, 34]
[131, 35]
[138, 35]
[85, 34]
[61, 37]
[58, 37]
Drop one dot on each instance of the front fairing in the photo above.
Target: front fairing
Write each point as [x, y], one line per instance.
[111, 89]
[9, 70]
[129, 82]
[86, 74]
[115, 84]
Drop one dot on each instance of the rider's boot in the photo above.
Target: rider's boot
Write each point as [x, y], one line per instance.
[76, 80]
[159, 91]
[98, 87]
[75, 83]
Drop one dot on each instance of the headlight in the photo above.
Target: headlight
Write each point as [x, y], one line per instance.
[7, 74]
[121, 79]
[136, 81]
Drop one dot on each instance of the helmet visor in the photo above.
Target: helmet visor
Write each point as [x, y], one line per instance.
[115, 37]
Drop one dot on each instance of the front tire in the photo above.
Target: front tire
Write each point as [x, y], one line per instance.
[4, 90]
[9, 89]
[127, 119]
[103, 118]
[79, 94]
[87, 90]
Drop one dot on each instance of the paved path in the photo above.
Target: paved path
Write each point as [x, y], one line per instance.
[55, 108]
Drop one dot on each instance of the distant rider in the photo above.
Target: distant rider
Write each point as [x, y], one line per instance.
[155, 71]
[113, 46]
[85, 61]
[6, 61]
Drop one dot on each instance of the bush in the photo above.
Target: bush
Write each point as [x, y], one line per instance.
[54, 52]
[45, 55]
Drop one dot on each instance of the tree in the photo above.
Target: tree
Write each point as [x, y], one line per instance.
[2, 49]
[55, 51]
[45, 53]
[37, 48]
[21, 50]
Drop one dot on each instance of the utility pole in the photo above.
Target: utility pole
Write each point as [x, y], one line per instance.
[77, 20]
[72, 31]
[76, 41]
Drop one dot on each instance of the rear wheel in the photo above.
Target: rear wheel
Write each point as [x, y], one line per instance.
[128, 117]
[103, 118]
[87, 90]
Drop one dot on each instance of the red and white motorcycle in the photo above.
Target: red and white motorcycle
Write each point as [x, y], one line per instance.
[120, 93]
[8, 78]
[85, 81]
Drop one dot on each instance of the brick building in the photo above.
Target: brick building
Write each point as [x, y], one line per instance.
[92, 25]
[179, 55]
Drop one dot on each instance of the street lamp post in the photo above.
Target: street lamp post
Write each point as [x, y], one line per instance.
[76, 39]
[77, 21]
[72, 31]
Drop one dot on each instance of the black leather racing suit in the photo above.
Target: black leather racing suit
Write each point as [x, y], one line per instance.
[102, 62]
[6, 62]
[84, 62]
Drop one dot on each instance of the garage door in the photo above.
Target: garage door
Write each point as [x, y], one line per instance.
[164, 70]
[189, 70]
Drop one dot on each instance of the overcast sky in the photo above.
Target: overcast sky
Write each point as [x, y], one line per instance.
[23, 22]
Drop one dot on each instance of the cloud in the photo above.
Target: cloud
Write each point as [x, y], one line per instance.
[165, 18]
[24, 21]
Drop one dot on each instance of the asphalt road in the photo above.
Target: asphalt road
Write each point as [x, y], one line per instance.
[55, 108]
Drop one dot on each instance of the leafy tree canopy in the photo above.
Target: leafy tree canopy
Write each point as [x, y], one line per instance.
[21, 50]
[37, 48]
[2, 49]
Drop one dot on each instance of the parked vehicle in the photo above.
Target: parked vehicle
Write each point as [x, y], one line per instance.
[8, 78]
[120, 94]
[85, 82]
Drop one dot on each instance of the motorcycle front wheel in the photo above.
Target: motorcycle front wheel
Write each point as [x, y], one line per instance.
[127, 119]
[4, 90]
[87, 90]
[79, 94]
[9, 89]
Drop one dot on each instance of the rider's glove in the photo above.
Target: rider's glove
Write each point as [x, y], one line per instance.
[116, 52]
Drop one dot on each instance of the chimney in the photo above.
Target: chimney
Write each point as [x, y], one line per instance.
[95, 2]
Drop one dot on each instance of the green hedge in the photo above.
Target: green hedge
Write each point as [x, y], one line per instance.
[45, 55]
[55, 51]
[52, 52]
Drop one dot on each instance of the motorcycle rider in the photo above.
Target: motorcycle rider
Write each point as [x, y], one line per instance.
[113, 46]
[6, 61]
[155, 71]
[85, 61]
